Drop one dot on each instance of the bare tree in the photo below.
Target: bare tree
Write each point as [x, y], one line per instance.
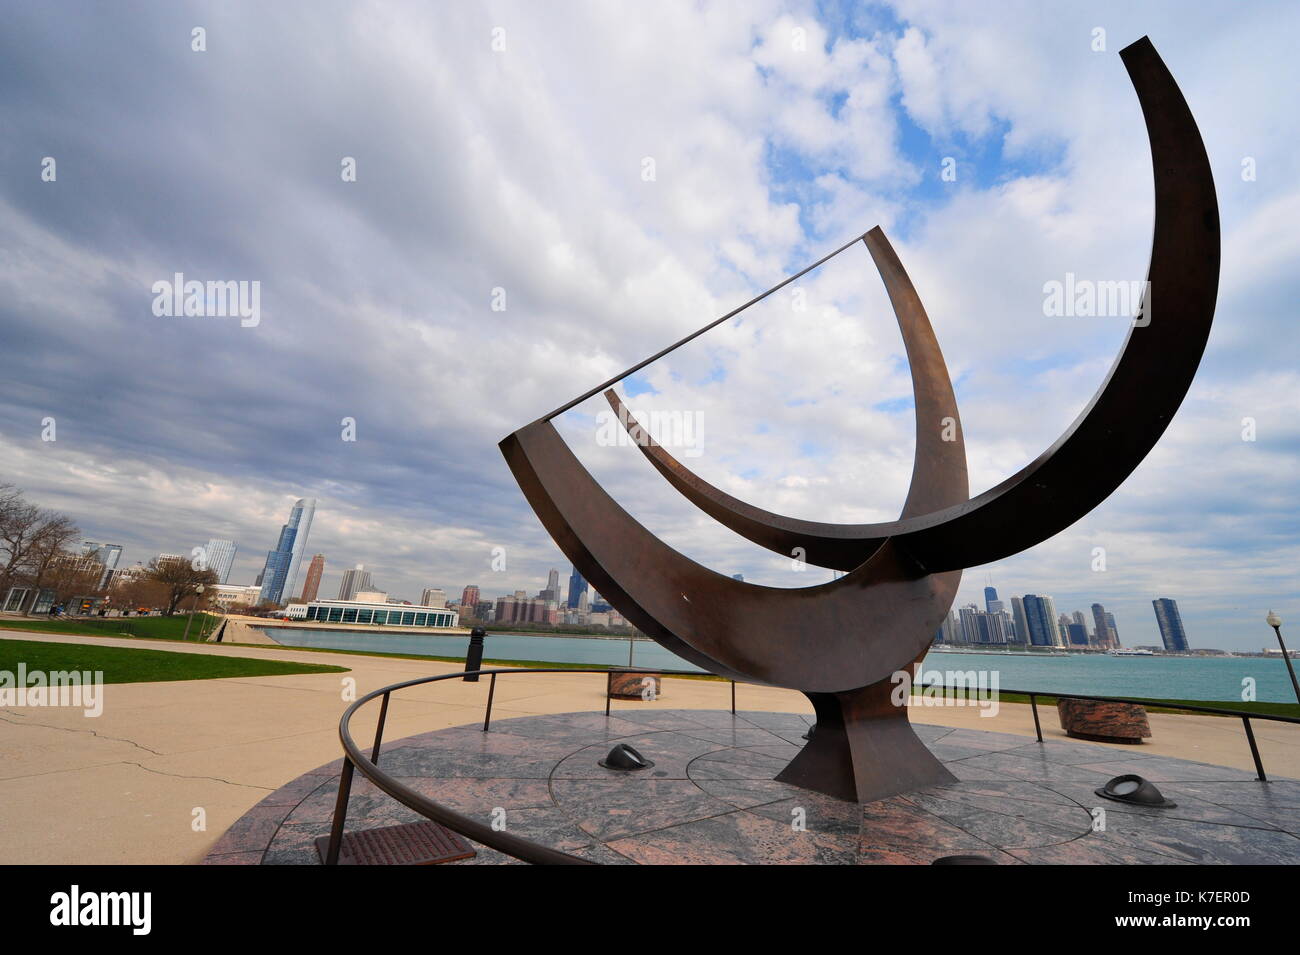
[141, 591]
[52, 564]
[179, 579]
[31, 539]
[19, 521]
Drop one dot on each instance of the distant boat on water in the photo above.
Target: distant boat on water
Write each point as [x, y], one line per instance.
[1126, 652]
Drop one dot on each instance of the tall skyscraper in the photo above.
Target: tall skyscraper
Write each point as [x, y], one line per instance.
[1107, 637]
[970, 632]
[469, 599]
[1063, 622]
[991, 602]
[280, 573]
[221, 557]
[1040, 616]
[577, 589]
[311, 586]
[1171, 625]
[433, 597]
[980, 626]
[1021, 634]
[552, 591]
[107, 555]
[354, 581]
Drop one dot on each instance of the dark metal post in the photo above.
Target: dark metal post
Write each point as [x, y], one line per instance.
[492, 689]
[1254, 749]
[1277, 628]
[379, 729]
[474, 655]
[340, 813]
[609, 688]
[733, 697]
[1033, 703]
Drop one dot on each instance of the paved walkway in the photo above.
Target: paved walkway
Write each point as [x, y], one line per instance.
[124, 787]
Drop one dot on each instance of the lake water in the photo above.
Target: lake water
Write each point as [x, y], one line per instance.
[1175, 678]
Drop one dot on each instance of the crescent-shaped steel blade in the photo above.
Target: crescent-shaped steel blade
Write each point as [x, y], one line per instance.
[848, 633]
[1149, 379]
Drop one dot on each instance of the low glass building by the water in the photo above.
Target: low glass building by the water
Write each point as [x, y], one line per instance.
[377, 614]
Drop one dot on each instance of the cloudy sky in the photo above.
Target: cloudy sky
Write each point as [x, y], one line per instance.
[548, 193]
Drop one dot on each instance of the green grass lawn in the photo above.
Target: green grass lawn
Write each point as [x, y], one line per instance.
[149, 628]
[129, 665]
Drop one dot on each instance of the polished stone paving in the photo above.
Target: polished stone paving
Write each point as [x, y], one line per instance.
[711, 798]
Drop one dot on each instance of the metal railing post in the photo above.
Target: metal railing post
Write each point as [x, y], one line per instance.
[733, 697]
[474, 654]
[487, 714]
[1033, 703]
[379, 729]
[609, 689]
[340, 813]
[1254, 748]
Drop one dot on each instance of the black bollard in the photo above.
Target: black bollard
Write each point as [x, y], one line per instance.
[474, 655]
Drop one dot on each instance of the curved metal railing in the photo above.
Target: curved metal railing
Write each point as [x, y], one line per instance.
[355, 759]
[512, 845]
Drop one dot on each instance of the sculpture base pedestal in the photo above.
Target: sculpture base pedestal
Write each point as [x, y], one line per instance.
[863, 748]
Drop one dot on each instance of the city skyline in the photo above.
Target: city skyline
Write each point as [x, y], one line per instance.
[1038, 621]
[432, 366]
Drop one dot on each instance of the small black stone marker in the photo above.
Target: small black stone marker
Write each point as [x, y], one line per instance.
[625, 758]
[1135, 791]
[474, 655]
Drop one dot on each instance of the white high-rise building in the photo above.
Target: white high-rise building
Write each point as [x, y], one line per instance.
[221, 557]
[308, 505]
[354, 581]
[107, 555]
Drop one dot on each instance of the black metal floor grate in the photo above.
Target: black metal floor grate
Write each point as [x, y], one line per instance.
[416, 843]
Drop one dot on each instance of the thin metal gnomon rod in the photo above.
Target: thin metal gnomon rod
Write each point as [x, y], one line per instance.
[698, 332]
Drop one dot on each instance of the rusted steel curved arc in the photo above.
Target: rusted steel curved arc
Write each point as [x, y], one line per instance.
[938, 468]
[1148, 380]
[848, 633]
[1143, 390]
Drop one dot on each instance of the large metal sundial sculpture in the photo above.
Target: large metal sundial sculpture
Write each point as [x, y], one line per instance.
[840, 643]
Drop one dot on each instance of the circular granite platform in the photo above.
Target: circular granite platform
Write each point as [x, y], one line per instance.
[711, 798]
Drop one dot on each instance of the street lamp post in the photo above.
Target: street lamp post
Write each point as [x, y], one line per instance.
[1274, 621]
[198, 595]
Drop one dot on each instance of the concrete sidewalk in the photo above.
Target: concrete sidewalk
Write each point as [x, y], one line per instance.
[131, 785]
